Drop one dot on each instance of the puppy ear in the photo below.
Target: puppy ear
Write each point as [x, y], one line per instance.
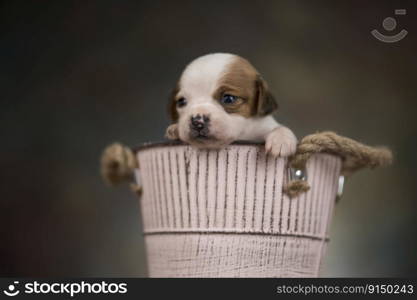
[172, 104]
[265, 102]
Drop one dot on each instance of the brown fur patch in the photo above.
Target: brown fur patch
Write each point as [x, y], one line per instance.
[265, 102]
[243, 80]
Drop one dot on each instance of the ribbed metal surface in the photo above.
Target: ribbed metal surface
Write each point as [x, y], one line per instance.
[216, 213]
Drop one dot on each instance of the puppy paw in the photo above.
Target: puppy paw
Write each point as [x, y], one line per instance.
[281, 142]
[117, 164]
[172, 132]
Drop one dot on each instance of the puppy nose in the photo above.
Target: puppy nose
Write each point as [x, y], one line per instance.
[199, 122]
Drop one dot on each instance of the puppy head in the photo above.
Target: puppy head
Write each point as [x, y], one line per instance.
[215, 97]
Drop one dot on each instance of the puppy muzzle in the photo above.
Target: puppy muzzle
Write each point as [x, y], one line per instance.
[199, 126]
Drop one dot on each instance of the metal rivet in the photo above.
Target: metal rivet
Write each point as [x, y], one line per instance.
[298, 174]
[340, 188]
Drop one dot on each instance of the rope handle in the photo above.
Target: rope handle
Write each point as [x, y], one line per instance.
[354, 155]
[118, 161]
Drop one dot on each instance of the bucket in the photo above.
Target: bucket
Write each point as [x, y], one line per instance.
[223, 213]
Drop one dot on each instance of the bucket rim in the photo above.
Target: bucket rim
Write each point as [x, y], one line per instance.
[161, 144]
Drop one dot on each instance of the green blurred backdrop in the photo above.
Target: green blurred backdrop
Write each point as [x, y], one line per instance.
[78, 75]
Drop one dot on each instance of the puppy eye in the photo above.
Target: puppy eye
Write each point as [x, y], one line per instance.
[181, 102]
[228, 99]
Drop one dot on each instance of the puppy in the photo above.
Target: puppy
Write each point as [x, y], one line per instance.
[221, 98]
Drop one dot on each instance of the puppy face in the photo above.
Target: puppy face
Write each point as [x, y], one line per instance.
[215, 99]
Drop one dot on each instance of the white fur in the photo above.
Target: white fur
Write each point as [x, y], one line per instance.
[197, 84]
[201, 76]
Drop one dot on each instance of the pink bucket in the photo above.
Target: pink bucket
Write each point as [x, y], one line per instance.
[222, 213]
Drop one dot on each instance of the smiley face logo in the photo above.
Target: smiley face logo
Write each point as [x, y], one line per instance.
[390, 24]
[11, 289]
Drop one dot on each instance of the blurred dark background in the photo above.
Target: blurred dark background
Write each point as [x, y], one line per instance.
[78, 75]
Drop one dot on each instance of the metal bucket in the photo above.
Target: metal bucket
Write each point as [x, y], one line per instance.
[222, 213]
